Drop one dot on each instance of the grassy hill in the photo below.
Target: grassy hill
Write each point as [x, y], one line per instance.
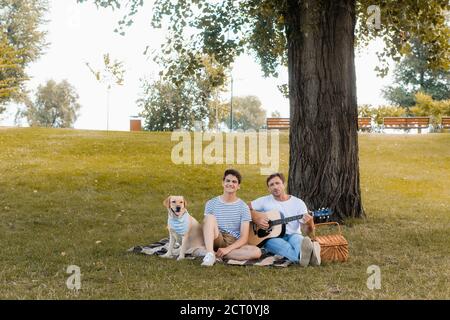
[71, 197]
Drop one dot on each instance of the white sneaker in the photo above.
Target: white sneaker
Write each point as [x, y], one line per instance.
[209, 259]
[307, 249]
[315, 257]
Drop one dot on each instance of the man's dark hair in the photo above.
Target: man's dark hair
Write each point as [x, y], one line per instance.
[278, 174]
[233, 173]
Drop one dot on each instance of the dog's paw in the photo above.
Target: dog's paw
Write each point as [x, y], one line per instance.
[166, 255]
[180, 258]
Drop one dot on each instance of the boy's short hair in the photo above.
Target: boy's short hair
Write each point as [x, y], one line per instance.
[233, 173]
[274, 175]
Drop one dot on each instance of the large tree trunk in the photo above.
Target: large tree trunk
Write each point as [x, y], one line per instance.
[323, 163]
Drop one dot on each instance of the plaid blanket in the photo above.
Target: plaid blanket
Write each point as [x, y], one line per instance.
[160, 247]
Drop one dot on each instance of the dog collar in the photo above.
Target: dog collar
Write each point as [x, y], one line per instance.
[180, 225]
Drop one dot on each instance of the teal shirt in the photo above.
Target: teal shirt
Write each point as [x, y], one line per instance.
[180, 225]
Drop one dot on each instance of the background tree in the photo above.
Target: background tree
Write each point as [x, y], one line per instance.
[166, 107]
[247, 113]
[9, 63]
[378, 113]
[55, 106]
[413, 74]
[169, 105]
[276, 114]
[316, 40]
[427, 107]
[112, 74]
[20, 30]
[209, 82]
[365, 110]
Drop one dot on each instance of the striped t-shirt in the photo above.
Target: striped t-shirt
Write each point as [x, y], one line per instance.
[229, 216]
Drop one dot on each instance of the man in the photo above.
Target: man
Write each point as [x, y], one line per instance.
[293, 245]
[226, 224]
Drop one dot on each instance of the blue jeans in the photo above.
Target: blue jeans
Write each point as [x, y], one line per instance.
[288, 246]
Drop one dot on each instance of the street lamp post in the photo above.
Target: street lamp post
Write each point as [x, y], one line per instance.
[231, 106]
[107, 107]
[113, 73]
[231, 101]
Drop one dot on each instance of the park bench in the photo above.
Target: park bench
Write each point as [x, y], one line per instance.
[277, 123]
[406, 122]
[364, 123]
[283, 123]
[445, 122]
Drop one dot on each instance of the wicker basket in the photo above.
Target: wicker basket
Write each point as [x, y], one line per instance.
[333, 247]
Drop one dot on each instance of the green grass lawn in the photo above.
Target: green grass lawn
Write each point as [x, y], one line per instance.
[70, 197]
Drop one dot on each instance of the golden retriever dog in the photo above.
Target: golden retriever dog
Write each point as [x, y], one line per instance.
[184, 229]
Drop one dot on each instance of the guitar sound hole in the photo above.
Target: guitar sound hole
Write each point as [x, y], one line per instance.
[262, 233]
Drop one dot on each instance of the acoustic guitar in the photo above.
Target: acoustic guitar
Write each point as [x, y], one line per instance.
[277, 226]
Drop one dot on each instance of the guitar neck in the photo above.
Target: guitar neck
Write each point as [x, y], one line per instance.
[322, 212]
[286, 220]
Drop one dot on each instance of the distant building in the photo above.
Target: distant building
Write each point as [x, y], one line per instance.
[135, 123]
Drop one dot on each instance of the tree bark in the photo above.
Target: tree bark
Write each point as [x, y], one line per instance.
[323, 163]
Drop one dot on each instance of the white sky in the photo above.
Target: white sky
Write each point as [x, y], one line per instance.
[80, 33]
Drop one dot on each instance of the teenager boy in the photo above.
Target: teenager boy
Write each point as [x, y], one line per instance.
[226, 224]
